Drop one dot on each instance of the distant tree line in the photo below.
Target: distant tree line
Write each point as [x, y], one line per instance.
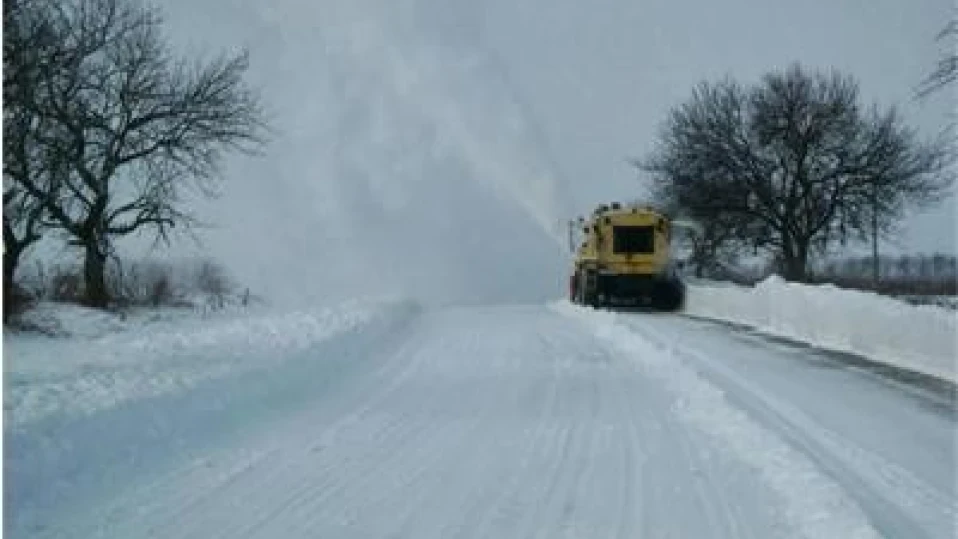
[106, 133]
[924, 267]
[918, 275]
[913, 274]
[791, 166]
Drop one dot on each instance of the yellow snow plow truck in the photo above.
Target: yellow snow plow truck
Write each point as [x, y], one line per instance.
[625, 258]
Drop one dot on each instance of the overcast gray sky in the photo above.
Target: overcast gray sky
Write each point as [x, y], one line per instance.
[601, 75]
[435, 146]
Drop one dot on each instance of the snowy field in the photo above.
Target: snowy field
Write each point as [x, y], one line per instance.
[98, 360]
[383, 418]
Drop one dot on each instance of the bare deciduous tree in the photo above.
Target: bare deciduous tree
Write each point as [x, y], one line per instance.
[714, 240]
[946, 71]
[792, 164]
[213, 280]
[133, 130]
[29, 46]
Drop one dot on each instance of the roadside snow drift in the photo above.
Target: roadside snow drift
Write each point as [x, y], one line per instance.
[917, 338]
[100, 361]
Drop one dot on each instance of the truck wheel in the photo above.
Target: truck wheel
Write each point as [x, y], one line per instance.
[578, 294]
[670, 296]
[588, 288]
[598, 298]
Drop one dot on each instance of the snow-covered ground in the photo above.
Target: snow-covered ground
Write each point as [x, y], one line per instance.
[376, 419]
[99, 360]
[921, 338]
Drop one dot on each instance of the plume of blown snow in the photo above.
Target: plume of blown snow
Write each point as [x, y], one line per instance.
[404, 163]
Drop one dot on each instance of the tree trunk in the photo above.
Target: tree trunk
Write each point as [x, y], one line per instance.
[795, 260]
[11, 259]
[95, 293]
[700, 258]
[13, 249]
[876, 275]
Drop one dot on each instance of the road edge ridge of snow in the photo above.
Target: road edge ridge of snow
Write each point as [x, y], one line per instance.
[813, 504]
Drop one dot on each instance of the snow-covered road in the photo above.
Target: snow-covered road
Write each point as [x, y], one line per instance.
[519, 421]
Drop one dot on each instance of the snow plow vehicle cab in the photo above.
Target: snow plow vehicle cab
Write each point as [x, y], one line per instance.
[625, 258]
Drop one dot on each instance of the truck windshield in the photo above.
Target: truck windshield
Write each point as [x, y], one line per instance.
[633, 239]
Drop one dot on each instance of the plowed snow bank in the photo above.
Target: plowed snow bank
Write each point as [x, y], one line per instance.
[919, 338]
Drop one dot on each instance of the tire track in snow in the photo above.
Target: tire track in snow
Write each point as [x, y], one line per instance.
[550, 506]
[406, 470]
[396, 433]
[351, 469]
[716, 505]
[455, 444]
[332, 479]
[553, 510]
[694, 467]
[494, 461]
[813, 505]
[889, 493]
[485, 422]
[198, 488]
[633, 455]
[505, 505]
[426, 460]
[548, 453]
[573, 520]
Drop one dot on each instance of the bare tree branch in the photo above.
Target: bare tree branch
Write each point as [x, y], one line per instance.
[946, 70]
[124, 128]
[792, 163]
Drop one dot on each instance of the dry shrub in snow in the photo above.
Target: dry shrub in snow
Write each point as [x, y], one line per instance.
[151, 283]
